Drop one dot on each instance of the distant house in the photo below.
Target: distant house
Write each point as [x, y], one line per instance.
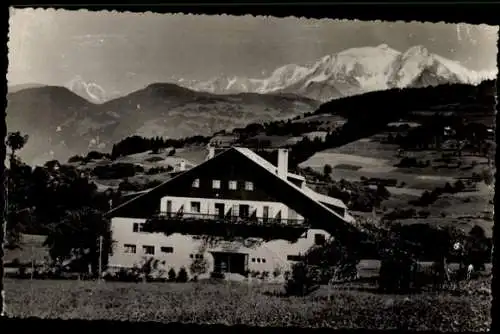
[316, 135]
[235, 193]
[223, 140]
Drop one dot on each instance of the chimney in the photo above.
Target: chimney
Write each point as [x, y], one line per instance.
[211, 152]
[283, 163]
[182, 165]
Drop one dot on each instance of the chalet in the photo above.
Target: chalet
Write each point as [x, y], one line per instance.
[223, 140]
[321, 135]
[264, 217]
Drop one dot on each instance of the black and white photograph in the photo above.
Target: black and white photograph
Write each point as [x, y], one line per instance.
[264, 171]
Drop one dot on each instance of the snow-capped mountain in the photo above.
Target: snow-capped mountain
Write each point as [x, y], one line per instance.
[88, 90]
[350, 72]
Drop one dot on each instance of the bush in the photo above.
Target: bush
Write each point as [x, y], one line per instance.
[424, 213]
[400, 214]
[182, 275]
[172, 275]
[383, 192]
[94, 155]
[459, 186]
[159, 170]
[117, 171]
[75, 158]
[301, 282]
[397, 271]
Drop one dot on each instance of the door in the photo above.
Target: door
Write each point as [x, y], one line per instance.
[265, 214]
[244, 211]
[169, 208]
[219, 210]
[225, 262]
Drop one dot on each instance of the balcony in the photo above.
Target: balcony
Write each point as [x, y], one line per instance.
[226, 226]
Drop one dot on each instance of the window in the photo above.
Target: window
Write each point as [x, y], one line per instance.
[191, 255]
[233, 185]
[196, 183]
[258, 260]
[167, 249]
[319, 239]
[138, 227]
[130, 249]
[216, 184]
[263, 260]
[195, 207]
[253, 259]
[294, 257]
[248, 185]
[148, 250]
[199, 256]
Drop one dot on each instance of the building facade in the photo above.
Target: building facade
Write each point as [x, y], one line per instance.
[262, 218]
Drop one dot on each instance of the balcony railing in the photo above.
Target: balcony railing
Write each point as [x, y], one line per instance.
[213, 224]
[228, 219]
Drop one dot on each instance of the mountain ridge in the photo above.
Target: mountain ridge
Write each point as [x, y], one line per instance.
[60, 123]
[351, 72]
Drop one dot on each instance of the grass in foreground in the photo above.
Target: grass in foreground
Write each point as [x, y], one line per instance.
[243, 304]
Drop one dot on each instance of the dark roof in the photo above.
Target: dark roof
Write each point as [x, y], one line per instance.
[315, 207]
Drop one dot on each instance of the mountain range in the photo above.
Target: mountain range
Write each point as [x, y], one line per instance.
[60, 123]
[63, 121]
[350, 72]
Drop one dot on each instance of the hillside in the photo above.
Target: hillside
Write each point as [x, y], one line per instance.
[61, 124]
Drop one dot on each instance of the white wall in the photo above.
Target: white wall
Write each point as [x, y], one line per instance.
[207, 206]
[274, 252]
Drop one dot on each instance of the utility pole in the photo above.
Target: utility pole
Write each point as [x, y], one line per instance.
[100, 257]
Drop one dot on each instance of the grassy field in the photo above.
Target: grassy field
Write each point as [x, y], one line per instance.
[347, 307]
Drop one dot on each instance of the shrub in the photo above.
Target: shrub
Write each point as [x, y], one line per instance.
[397, 270]
[301, 282]
[448, 188]
[424, 213]
[383, 192]
[327, 170]
[182, 275]
[459, 186]
[75, 158]
[172, 275]
[198, 266]
[158, 170]
[117, 171]
[94, 155]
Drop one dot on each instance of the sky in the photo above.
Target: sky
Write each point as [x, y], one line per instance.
[123, 52]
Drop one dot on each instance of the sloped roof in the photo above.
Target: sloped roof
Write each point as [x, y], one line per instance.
[273, 169]
[257, 159]
[325, 199]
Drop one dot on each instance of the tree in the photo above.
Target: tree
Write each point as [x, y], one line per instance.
[327, 170]
[16, 141]
[76, 238]
[16, 190]
[477, 248]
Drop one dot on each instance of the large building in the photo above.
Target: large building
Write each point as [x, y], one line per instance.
[265, 217]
